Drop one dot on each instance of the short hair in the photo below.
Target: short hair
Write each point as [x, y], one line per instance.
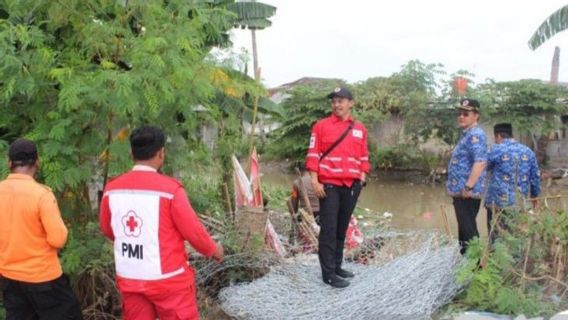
[503, 129]
[146, 141]
[22, 152]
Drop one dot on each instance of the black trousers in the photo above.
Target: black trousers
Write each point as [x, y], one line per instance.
[466, 213]
[335, 212]
[40, 301]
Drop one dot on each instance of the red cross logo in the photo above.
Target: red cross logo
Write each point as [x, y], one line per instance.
[132, 224]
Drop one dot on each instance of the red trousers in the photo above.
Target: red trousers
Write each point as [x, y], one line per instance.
[166, 305]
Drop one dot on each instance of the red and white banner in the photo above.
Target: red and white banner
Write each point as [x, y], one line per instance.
[243, 192]
[272, 240]
[354, 236]
[255, 180]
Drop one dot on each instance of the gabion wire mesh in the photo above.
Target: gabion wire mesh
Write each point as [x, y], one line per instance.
[390, 285]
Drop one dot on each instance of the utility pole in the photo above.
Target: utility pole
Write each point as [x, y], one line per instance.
[555, 66]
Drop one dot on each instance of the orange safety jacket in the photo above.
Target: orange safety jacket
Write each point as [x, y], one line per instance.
[347, 161]
[31, 230]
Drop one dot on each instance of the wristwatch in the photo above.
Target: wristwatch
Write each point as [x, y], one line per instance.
[467, 188]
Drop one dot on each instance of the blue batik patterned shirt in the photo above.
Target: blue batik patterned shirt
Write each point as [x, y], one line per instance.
[511, 161]
[471, 148]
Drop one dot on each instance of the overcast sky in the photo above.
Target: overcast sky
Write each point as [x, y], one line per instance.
[358, 39]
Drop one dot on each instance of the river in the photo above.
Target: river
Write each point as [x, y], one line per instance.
[413, 205]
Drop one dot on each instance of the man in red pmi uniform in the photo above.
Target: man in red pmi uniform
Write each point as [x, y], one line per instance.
[148, 216]
[337, 178]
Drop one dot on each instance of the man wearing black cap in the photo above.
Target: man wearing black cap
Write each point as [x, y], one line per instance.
[513, 167]
[31, 232]
[338, 163]
[466, 171]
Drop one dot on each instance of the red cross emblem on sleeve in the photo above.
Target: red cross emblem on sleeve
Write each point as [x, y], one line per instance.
[132, 224]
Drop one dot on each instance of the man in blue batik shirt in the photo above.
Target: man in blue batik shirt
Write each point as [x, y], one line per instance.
[513, 168]
[466, 171]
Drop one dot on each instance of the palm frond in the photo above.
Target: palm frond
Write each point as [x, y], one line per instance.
[252, 15]
[556, 22]
[268, 106]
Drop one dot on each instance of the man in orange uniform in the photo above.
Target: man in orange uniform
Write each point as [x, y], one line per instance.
[148, 216]
[338, 162]
[31, 232]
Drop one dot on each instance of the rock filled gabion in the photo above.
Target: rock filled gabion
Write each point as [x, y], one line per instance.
[410, 286]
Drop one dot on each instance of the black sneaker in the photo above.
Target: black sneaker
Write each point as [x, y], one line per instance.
[344, 273]
[336, 282]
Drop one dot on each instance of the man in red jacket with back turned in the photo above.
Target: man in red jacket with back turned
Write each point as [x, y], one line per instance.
[149, 217]
[338, 162]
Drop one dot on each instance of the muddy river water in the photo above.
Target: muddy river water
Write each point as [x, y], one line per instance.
[413, 205]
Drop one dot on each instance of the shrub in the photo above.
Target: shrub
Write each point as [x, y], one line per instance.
[524, 270]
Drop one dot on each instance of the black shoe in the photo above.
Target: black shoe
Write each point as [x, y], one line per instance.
[344, 273]
[336, 282]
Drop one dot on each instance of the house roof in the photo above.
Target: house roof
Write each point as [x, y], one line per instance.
[301, 81]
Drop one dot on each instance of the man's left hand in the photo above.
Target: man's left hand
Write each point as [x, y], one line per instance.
[466, 194]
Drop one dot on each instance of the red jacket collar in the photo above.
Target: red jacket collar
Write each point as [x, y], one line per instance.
[336, 119]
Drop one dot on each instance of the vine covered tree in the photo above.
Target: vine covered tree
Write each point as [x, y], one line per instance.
[76, 75]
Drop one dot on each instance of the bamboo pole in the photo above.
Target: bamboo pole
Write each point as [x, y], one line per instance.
[294, 223]
[228, 202]
[558, 196]
[525, 277]
[212, 223]
[254, 112]
[494, 225]
[525, 263]
[306, 225]
[445, 221]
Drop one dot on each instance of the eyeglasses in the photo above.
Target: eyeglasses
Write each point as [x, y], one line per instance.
[464, 114]
[338, 100]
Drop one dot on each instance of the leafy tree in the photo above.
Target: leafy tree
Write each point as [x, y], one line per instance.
[528, 104]
[401, 93]
[423, 98]
[306, 105]
[531, 105]
[76, 75]
[435, 118]
[375, 98]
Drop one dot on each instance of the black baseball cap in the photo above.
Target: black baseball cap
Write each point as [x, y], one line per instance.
[469, 105]
[340, 92]
[22, 151]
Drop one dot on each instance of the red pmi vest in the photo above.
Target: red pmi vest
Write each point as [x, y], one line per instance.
[149, 217]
